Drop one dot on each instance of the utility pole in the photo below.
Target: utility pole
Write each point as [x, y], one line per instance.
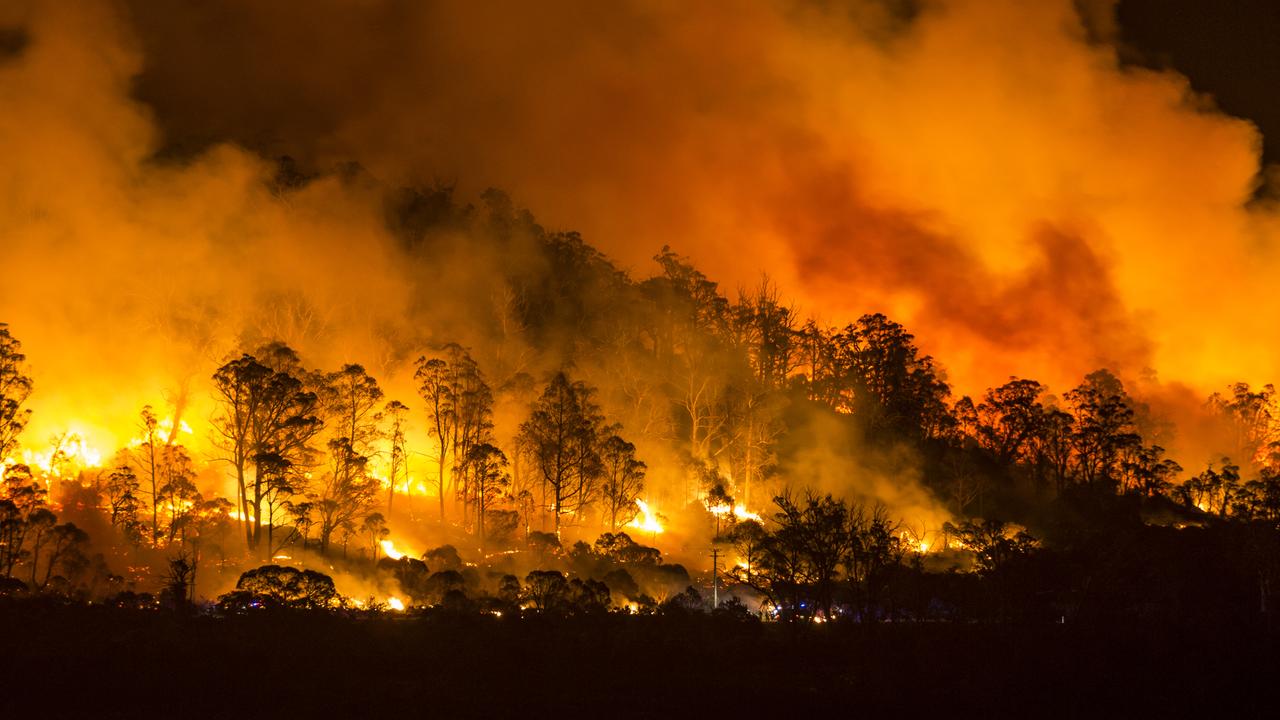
[715, 587]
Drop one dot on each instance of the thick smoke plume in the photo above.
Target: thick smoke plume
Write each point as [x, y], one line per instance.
[985, 171]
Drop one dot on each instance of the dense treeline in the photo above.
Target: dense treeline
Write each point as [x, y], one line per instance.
[575, 390]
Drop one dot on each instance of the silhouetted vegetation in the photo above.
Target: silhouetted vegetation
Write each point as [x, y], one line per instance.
[1021, 508]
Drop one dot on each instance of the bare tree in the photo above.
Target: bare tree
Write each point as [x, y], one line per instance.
[396, 410]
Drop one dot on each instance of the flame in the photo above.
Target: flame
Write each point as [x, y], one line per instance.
[165, 432]
[395, 603]
[919, 543]
[389, 549]
[649, 523]
[738, 511]
[70, 453]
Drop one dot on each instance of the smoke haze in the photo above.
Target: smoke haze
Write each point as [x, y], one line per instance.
[986, 172]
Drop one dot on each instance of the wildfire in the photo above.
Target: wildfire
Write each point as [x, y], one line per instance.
[69, 454]
[738, 511]
[395, 603]
[919, 543]
[648, 520]
[165, 431]
[389, 549]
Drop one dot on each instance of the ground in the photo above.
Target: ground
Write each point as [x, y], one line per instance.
[79, 662]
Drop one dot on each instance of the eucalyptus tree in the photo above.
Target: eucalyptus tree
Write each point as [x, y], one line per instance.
[561, 439]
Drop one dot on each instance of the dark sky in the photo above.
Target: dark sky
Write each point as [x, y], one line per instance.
[1229, 49]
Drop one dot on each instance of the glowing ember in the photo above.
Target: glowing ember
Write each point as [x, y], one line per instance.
[648, 519]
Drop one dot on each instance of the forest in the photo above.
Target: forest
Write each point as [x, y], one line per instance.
[599, 451]
[820, 357]
[621, 445]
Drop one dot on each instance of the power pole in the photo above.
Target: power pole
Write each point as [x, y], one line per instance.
[715, 586]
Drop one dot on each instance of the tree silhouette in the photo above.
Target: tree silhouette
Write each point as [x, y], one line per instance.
[1104, 428]
[122, 490]
[622, 480]
[561, 439]
[396, 410]
[15, 388]
[345, 493]
[266, 424]
[485, 468]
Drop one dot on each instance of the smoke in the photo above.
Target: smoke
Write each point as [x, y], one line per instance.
[987, 172]
[829, 456]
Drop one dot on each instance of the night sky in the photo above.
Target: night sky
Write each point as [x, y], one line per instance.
[1227, 49]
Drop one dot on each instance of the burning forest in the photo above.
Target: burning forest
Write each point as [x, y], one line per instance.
[794, 347]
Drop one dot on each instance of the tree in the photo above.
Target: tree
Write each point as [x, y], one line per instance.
[21, 497]
[812, 542]
[881, 376]
[148, 461]
[487, 480]
[179, 582]
[1052, 447]
[473, 421]
[1254, 418]
[561, 439]
[396, 410]
[1008, 418]
[459, 409]
[1145, 470]
[350, 398]
[749, 539]
[266, 424]
[766, 329]
[621, 549]
[622, 480]
[691, 324]
[290, 587]
[1104, 428]
[374, 527]
[436, 390]
[1213, 491]
[545, 589]
[720, 503]
[179, 493]
[15, 388]
[817, 357]
[65, 546]
[40, 523]
[122, 490]
[346, 492]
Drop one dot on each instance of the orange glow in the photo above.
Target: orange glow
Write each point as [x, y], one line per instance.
[647, 520]
[389, 549]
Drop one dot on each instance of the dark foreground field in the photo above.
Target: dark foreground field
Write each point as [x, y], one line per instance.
[91, 662]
